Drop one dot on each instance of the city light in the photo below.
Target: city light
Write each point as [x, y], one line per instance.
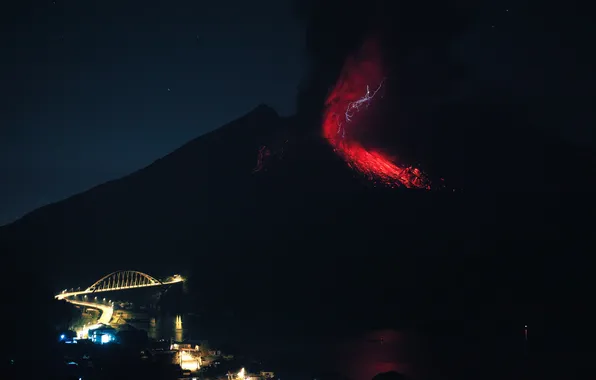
[242, 374]
[121, 280]
[188, 361]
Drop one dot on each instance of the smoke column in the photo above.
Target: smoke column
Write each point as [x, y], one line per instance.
[357, 87]
[415, 39]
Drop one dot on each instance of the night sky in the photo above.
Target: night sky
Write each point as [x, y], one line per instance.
[95, 90]
[98, 89]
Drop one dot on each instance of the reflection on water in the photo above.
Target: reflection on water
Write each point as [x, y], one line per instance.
[355, 356]
[178, 329]
[154, 328]
[366, 355]
[166, 327]
[360, 356]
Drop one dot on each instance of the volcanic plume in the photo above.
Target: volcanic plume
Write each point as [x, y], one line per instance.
[359, 84]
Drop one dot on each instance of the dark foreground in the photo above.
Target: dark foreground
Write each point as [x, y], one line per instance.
[295, 263]
[459, 352]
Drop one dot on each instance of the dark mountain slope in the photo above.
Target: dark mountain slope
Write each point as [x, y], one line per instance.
[114, 220]
[307, 229]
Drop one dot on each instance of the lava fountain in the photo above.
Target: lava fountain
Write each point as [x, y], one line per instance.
[359, 83]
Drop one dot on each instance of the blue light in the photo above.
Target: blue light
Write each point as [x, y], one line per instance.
[62, 336]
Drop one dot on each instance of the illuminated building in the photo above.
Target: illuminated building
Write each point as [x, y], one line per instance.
[67, 336]
[102, 335]
[189, 361]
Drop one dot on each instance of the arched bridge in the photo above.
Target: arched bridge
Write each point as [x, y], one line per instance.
[121, 280]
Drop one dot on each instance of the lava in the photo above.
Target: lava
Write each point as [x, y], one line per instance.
[262, 156]
[352, 93]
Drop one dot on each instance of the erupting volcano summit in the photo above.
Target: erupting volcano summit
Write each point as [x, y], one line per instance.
[359, 83]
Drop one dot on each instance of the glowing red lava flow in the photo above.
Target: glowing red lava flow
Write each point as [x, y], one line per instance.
[262, 156]
[351, 94]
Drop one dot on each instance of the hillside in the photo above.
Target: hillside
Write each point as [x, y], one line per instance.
[305, 225]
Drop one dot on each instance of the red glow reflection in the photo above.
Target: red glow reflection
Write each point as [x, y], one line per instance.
[361, 75]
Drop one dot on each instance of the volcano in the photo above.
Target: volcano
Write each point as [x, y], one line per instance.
[351, 95]
[218, 186]
[208, 190]
[262, 198]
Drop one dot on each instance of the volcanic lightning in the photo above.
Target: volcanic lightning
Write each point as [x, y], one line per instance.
[355, 106]
[350, 95]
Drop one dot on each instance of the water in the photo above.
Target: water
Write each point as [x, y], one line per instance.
[172, 327]
[358, 356]
[355, 355]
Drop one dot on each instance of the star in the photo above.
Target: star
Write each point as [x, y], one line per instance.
[169, 90]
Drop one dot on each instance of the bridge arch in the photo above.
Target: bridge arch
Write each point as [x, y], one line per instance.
[123, 279]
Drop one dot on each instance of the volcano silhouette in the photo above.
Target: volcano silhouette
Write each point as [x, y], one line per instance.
[208, 193]
[305, 226]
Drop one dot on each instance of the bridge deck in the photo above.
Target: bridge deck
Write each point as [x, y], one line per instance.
[117, 287]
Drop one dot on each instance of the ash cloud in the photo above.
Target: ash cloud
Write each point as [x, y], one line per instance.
[335, 29]
[460, 117]
[415, 39]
